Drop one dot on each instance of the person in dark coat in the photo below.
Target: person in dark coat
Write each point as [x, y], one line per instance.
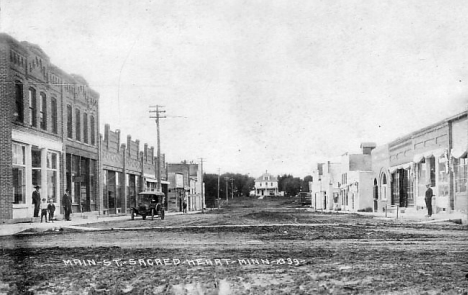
[51, 209]
[36, 200]
[66, 201]
[428, 199]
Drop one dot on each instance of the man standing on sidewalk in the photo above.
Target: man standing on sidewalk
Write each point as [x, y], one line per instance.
[428, 200]
[36, 200]
[66, 201]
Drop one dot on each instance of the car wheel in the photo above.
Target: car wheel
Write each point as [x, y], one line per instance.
[144, 217]
[133, 214]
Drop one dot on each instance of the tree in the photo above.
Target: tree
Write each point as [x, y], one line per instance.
[239, 186]
[289, 184]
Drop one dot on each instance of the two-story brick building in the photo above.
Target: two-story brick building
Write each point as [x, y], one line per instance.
[49, 123]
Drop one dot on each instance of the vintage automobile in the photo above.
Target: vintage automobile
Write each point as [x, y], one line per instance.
[149, 203]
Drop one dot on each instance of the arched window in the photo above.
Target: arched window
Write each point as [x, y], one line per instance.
[32, 107]
[78, 125]
[43, 112]
[93, 127]
[54, 117]
[69, 121]
[85, 127]
[383, 188]
[19, 106]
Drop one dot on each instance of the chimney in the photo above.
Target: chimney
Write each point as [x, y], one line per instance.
[367, 147]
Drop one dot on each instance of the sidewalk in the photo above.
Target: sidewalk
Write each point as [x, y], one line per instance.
[76, 220]
[421, 217]
[410, 216]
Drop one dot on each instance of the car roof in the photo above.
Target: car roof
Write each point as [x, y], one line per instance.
[152, 193]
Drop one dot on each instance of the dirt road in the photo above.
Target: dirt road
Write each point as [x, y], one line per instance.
[267, 247]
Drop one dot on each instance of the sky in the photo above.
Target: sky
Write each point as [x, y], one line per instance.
[255, 86]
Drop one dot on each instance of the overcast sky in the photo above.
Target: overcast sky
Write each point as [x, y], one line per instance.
[258, 85]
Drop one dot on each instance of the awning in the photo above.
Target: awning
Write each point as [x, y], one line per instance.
[418, 158]
[434, 153]
[402, 166]
[156, 181]
[458, 153]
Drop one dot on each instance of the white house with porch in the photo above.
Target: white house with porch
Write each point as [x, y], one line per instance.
[266, 185]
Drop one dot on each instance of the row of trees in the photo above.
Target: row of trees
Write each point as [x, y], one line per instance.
[291, 185]
[238, 185]
[230, 184]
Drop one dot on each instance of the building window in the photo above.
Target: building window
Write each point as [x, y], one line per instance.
[43, 112]
[68, 172]
[432, 171]
[111, 184]
[78, 125]
[118, 189]
[443, 178]
[19, 107]
[32, 107]
[36, 166]
[52, 176]
[460, 173]
[93, 138]
[18, 168]
[69, 121]
[384, 187]
[85, 128]
[75, 178]
[105, 199]
[131, 190]
[92, 183]
[54, 117]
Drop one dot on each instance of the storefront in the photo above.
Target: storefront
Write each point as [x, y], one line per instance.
[459, 168]
[81, 179]
[35, 162]
[402, 185]
[431, 168]
[112, 191]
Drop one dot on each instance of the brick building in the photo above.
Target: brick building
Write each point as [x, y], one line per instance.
[126, 171]
[49, 122]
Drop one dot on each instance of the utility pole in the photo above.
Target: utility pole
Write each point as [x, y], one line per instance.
[227, 188]
[202, 194]
[232, 188]
[157, 115]
[219, 171]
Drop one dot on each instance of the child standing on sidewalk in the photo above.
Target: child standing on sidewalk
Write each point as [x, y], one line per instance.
[44, 210]
[51, 209]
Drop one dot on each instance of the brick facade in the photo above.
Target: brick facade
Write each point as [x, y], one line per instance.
[126, 171]
[34, 99]
[6, 190]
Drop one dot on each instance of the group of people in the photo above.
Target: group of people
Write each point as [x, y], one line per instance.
[47, 207]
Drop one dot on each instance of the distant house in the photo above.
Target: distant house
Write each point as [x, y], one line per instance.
[266, 185]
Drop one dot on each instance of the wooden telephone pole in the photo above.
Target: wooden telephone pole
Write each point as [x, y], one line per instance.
[155, 113]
